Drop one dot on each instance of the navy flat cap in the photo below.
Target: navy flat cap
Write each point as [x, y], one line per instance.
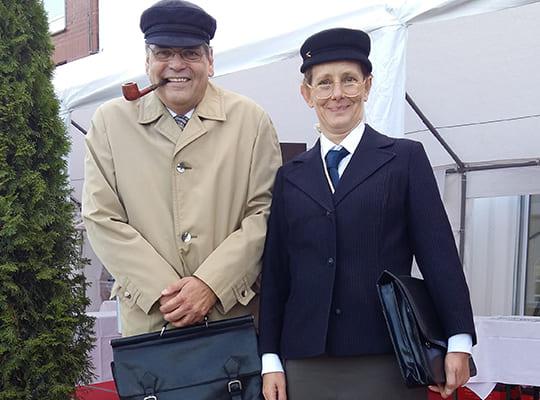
[177, 23]
[334, 45]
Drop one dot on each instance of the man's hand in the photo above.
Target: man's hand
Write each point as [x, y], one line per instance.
[274, 385]
[186, 301]
[456, 367]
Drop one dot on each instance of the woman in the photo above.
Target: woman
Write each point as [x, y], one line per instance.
[355, 204]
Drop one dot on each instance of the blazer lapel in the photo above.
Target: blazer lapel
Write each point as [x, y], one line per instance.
[308, 175]
[370, 155]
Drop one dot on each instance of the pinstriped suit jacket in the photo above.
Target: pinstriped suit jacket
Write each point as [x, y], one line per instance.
[324, 251]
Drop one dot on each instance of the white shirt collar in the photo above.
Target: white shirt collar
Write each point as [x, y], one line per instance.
[188, 114]
[350, 142]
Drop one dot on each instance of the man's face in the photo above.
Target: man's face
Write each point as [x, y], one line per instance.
[187, 80]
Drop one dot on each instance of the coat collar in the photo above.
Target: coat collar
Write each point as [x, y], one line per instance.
[371, 154]
[152, 110]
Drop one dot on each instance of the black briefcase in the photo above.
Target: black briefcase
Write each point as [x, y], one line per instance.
[210, 361]
[415, 329]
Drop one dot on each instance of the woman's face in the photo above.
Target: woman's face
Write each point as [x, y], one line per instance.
[343, 109]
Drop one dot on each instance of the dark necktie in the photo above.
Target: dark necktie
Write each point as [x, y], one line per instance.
[333, 158]
[181, 120]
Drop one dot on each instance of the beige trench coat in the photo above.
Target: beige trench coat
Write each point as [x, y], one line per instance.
[160, 204]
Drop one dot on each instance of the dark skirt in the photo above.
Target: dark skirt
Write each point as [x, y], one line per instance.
[369, 377]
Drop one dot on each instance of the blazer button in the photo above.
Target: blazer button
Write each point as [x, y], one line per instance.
[186, 237]
[180, 167]
[127, 295]
[331, 261]
[338, 311]
[243, 293]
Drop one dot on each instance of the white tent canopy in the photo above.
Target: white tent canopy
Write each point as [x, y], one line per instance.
[464, 80]
[470, 66]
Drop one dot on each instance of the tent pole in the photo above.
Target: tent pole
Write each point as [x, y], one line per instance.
[80, 128]
[461, 169]
[433, 130]
[463, 207]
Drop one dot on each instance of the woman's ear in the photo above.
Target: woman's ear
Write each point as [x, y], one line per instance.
[367, 88]
[306, 94]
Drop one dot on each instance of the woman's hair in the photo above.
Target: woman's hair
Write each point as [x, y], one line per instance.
[308, 74]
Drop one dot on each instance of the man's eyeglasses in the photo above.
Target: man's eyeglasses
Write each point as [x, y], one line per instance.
[325, 89]
[187, 54]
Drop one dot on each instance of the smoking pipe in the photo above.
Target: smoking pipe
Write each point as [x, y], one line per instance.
[131, 91]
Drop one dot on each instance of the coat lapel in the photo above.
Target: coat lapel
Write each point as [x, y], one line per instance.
[308, 175]
[370, 155]
[151, 109]
[211, 107]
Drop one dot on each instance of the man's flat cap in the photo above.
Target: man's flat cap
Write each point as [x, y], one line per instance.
[177, 23]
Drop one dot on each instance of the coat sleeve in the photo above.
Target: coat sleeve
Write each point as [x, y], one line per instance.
[232, 269]
[136, 266]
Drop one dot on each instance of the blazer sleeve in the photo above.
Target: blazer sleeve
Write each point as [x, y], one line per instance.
[275, 275]
[435, 248]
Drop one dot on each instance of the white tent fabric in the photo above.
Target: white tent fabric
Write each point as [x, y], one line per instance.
[251, 34]
[470, 65]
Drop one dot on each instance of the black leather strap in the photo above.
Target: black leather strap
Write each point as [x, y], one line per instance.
[234, 386]
[148, 382]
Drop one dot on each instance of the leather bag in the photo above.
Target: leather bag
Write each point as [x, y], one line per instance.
[415, 329]
[210, 361]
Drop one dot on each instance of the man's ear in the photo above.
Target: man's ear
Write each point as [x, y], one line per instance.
[211, 63]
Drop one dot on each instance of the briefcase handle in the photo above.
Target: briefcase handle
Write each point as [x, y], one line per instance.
[165, 323]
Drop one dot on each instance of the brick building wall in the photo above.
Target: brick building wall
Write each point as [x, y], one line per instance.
[80, 38]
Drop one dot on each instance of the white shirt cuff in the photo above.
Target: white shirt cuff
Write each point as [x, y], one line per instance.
[271, 363]
[460, 343]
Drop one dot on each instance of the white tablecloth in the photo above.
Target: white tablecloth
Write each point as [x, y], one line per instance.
[105, 329]
[508, 351]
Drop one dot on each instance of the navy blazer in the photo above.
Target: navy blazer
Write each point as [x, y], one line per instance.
[324, 252]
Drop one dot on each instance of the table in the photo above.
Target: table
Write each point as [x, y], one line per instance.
[508, 351]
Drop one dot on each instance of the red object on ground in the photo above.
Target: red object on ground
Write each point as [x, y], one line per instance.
[467, 394]
[499, 393]
[98, 391]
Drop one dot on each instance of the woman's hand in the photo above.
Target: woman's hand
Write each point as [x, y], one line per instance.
[274, 386]
[456, 368]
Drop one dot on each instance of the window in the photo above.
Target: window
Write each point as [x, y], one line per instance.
[532, 274]
[56, 12]
[503, 255]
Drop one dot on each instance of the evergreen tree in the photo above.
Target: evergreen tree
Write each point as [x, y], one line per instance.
[44, 332]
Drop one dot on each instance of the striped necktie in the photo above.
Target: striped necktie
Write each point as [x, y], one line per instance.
[181, 120]
[333, 158]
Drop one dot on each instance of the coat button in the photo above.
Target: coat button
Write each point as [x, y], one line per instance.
[243, 293]
[186, 237]
[331, 261]
[338, 311]
[127, 295]
[181, 167]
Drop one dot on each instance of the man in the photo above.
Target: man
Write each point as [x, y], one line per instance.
[177, 211]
